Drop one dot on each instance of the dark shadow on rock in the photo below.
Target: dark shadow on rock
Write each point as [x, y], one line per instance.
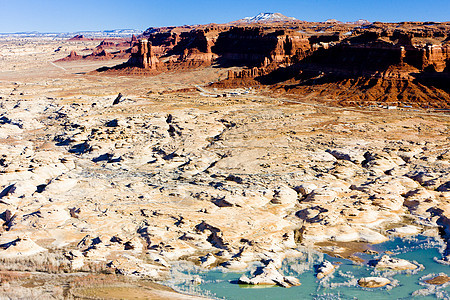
[112, 123]
[9, 244]
[221, 202]
[104, 157]
[439, 80]
[40, 188]
[234, 178]
[80, 148]
[9, 189]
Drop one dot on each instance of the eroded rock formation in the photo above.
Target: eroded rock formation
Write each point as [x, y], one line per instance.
[142, 56]
[403, 64]
[105, 50]
[247, 73]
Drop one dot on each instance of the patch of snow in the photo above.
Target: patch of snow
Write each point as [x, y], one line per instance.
[268, 17]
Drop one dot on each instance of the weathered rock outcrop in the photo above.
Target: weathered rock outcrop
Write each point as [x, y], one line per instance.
[438, 280]
[325, 269]
[165, 174]
[73, 55]
[106, 43]
[247, 73]
[386, 262]
[142, 55]
[100, 52]
[269, 275]
[373, 282]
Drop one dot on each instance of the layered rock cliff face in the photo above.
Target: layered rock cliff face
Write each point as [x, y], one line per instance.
[240, 46]
[257, 46]
[404, 63]
[260, 46]
[393, 69]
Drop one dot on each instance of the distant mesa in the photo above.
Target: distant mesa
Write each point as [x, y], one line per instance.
[358, 22]
[118, 48]
[105, 43]
[86, 35]
[79, 37]
[333, 21]
[362, 22]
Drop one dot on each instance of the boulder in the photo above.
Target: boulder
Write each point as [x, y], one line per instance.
[373, 282]
[325, 269]
[284, 195]
[306, 188]
[207, 260]
[134, 244]
[438, 280]
[269, 275]
[392, 263]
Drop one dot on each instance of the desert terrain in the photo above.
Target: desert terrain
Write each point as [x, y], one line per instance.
[185, 165]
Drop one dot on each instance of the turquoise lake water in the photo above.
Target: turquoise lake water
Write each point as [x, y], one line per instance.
[342, 284]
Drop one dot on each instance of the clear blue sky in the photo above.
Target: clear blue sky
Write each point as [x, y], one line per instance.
[80, 15]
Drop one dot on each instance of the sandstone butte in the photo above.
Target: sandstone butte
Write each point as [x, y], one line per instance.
[132, 184]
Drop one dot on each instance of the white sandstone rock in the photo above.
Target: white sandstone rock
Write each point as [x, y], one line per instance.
[386, 262]
[22, 246]
[373, 282]
[325, 269]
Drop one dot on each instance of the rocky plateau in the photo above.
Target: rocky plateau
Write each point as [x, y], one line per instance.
[227, 145]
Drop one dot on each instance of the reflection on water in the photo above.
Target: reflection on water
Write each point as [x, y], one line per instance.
[342, 284]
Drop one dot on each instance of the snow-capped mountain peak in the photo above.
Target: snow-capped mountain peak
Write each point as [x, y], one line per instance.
[267, 17]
